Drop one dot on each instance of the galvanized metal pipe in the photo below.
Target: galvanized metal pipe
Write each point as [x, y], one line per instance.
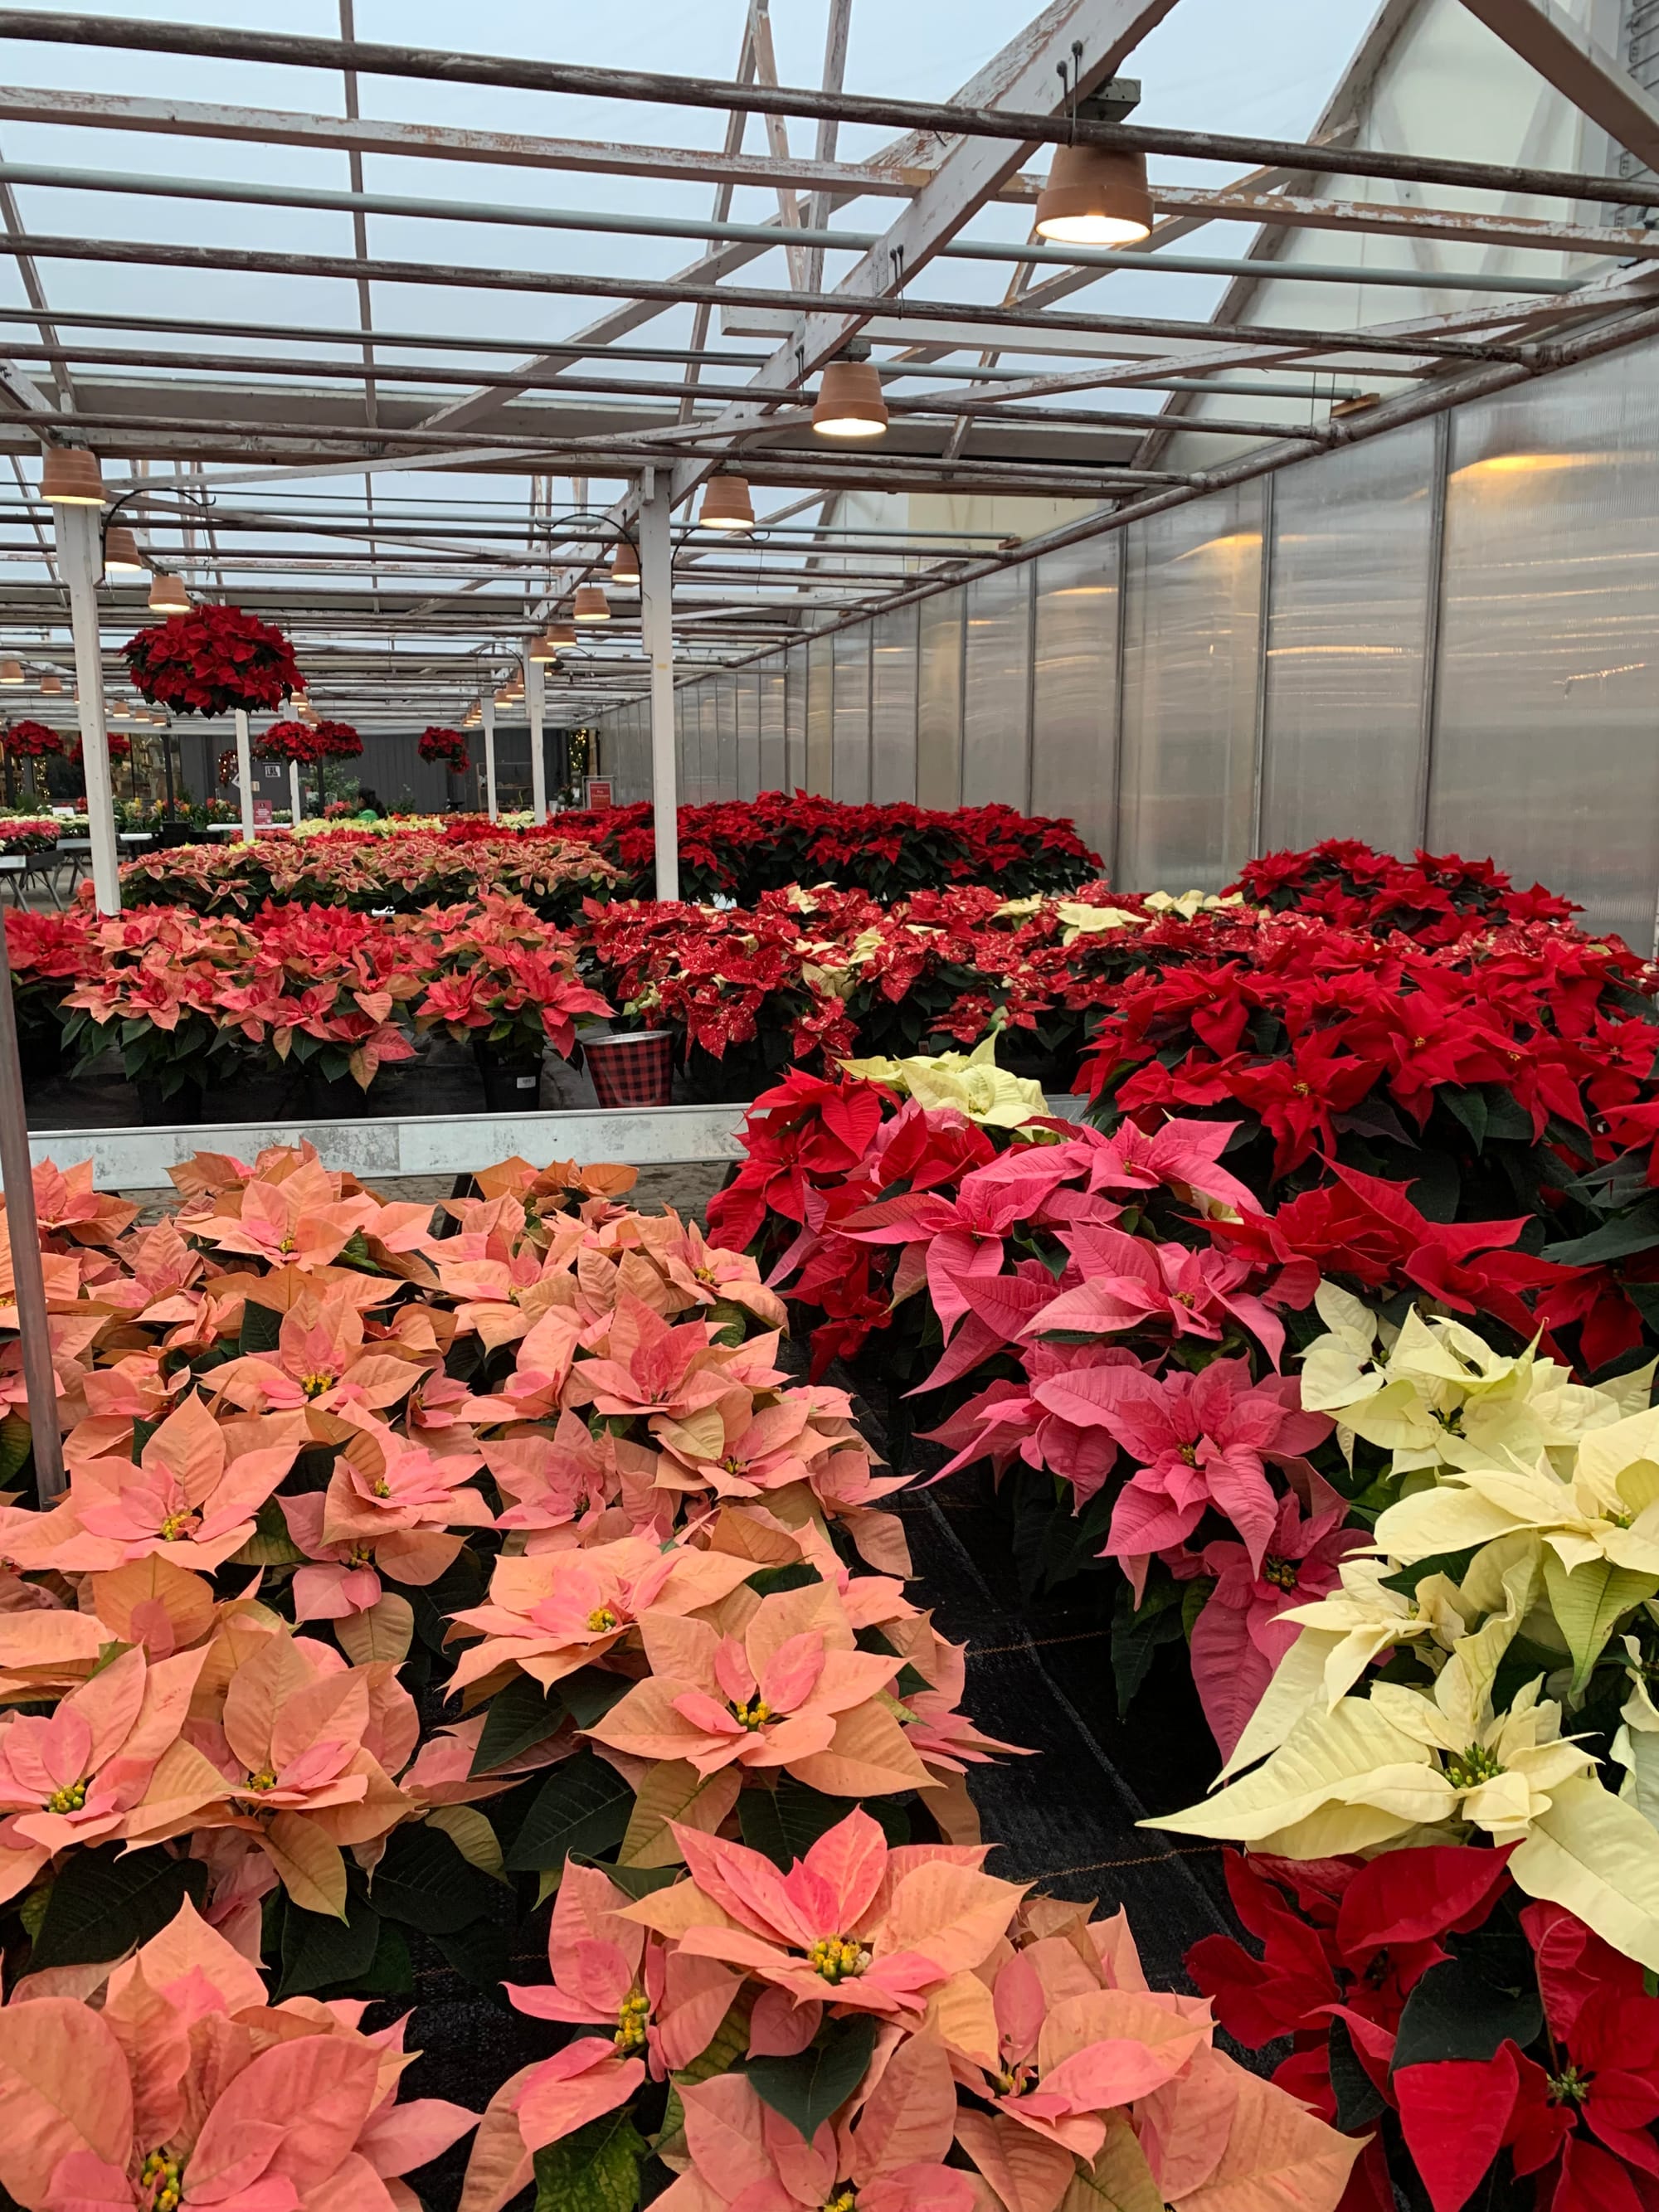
[944, 119]
[145, 253]
[23, 1236]
[709, 230]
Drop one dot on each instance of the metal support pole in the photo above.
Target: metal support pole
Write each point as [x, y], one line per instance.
[490, 807]
[657, 635]
[82, 559]
[167, 771]
[294, 795]
[28, 1282]
[535, 707]
[245, 774]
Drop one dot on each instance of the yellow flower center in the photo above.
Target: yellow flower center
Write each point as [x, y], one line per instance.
[287, 1244]
[177, 1524]
[67, 1800]
[1185, 1299]
[263, 1780]
[703, 1275]
[361, 1555]
[754, 1715]
[314, 1385]
[381, 1486]
[835, 1956]
[602, 1621]
[161, 2176]
[631, 2017]
[844, 2200]
[1280, 1572]
[1469, 1768]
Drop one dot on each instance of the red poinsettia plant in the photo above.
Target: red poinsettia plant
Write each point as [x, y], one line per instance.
[120, 748]
[449, 746]
[1430, 2010]
[213, 659]
[31, 740]
[283, 741]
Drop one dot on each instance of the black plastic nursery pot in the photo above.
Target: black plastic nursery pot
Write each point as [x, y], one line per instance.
[339, 1098]
[180, 1109]
[512, 1083]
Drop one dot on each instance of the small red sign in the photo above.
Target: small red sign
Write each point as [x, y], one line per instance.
[599, 792]
[262, 814]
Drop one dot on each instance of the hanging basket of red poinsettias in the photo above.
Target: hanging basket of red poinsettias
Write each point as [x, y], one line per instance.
[211, 660]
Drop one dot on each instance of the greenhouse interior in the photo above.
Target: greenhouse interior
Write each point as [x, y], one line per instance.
[829, 1107]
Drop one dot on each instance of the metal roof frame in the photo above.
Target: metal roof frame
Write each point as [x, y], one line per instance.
[220, 430]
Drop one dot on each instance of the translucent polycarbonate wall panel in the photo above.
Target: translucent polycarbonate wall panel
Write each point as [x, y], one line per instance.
[996, 695]
[703, 705]
[687, 734]
[1545, 752]
[820, 715]
[1191, 651]
[939, 702]
[1074, 687]
[746, 683]
[725, 689]
[1350, 584]
[795, 720]
[893, 708]
[852, 761]
[773, 684]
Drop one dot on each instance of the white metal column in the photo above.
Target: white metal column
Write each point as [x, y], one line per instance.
[293, 801]
[490, 806]
[535, 707]
[79, 551]
[245, 774]
[657, 624]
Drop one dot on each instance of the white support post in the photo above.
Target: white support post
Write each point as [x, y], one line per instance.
[245, 774]
[81, 555]
[490, 806]
[657, 624]
[535, 701]
[294, 799]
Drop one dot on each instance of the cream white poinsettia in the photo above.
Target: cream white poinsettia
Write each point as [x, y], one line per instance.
[1636, 1746]
[1435, 1394]
[971, 1081]
[1191, 903]
[1442, 1763]
[1340, 1635]
[1077, 919]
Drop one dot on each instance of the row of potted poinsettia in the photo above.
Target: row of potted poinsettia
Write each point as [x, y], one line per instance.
[534, 1468]
[189, 1002]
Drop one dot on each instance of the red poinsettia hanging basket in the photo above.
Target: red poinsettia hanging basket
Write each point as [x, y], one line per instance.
[283, 741]
[336, 741]
[31, 741]
[448, 746]
[120, 748]
[213, 659]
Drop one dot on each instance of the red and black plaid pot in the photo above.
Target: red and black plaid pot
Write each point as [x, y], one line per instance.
[635, 1069]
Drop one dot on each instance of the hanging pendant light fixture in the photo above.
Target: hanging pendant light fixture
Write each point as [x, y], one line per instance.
[70, 477]
[168, 595]
[562, 633]
[544, 650]
[51, 684]
[1097, 195]
[625, 567]
[849, 403]
[591, 604]
[726, 502]
[121, 552]
[11, 673]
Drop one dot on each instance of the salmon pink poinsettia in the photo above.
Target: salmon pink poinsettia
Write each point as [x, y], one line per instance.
[191, 1500]
[547, 1615]
[320, 1360]
[791, 1690]
[855, 1924]
[296, 1742]
[884, 2152]
[390, 1507]
[187, 2091]
[100, 1766]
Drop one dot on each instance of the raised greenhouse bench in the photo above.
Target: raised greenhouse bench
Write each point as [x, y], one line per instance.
[424, 1144]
